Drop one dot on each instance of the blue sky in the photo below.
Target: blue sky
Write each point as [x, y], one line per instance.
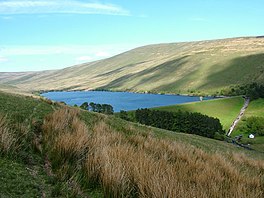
[51, 34]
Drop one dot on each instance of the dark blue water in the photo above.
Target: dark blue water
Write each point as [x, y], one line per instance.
[119, 100]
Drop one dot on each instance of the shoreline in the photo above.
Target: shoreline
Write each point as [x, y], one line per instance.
[135, 92]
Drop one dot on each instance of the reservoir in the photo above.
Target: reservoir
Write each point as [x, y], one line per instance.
[119, 100]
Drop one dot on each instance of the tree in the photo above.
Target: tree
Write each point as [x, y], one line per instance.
[123, 115]
[255, 125]
[84, 106]
[98, 108]
[107, 109]
[92, 105]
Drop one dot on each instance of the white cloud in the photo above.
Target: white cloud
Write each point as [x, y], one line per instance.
[3, 59]
[11, 7]
[102, 54]
[84, 58]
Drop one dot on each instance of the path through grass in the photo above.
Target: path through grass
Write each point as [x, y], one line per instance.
[225, 109]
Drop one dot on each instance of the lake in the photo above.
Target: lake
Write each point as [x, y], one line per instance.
[119, 100]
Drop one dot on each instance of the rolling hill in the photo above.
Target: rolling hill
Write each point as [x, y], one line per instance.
[183, 68]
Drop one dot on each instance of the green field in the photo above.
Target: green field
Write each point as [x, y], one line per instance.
[204, 67]
[225, 109]
[256, 109]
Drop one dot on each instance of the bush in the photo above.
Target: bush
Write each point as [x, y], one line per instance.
[255, 125]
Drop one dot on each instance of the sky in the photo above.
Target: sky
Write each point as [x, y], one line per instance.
[52, 34]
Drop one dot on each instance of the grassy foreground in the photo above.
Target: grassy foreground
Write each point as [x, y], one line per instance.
[88, 154]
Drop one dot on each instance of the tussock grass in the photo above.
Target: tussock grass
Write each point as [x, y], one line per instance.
[8, 141]
[140, 165]
[65, 139]
[65, 134]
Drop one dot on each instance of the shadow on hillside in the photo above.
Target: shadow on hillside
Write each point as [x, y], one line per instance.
[244, 69]
[115, 71]
[238, 70]
[149, 75]
[179, 85]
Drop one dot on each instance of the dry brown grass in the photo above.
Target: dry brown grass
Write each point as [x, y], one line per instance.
[8, 141]
[144, 166]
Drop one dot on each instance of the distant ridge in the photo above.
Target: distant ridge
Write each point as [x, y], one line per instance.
[202, 67]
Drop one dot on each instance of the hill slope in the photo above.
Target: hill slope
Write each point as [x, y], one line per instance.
[204, 66]
[225, 109]
[95, 155]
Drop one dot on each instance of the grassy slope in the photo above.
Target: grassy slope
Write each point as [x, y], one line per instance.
[23, 172]
[255, 108]
[204, 67]
[28, 172]
[13, 89]
[226, 109]
[206, 144]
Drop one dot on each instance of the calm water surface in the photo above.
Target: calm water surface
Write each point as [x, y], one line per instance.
[119, 100]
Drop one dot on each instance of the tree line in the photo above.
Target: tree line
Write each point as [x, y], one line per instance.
[180, 121]
[96, 107]
[252, 91]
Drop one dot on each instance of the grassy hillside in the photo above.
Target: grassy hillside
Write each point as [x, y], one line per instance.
[57, 151]
[256, 109]
[13, 89]
[25, 170]
[225, 109]
[204, 67]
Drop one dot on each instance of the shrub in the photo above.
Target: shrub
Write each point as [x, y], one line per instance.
[255, 125]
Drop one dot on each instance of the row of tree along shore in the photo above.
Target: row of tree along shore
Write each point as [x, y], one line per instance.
[96, 107]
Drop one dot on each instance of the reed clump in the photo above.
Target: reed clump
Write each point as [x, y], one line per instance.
[8, 139]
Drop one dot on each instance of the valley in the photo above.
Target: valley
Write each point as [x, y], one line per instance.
[210, 67]
[66, 151]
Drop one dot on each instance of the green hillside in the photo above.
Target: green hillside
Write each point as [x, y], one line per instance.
[225, 109]
[204, 67]
[56, 151]
[255, 109]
